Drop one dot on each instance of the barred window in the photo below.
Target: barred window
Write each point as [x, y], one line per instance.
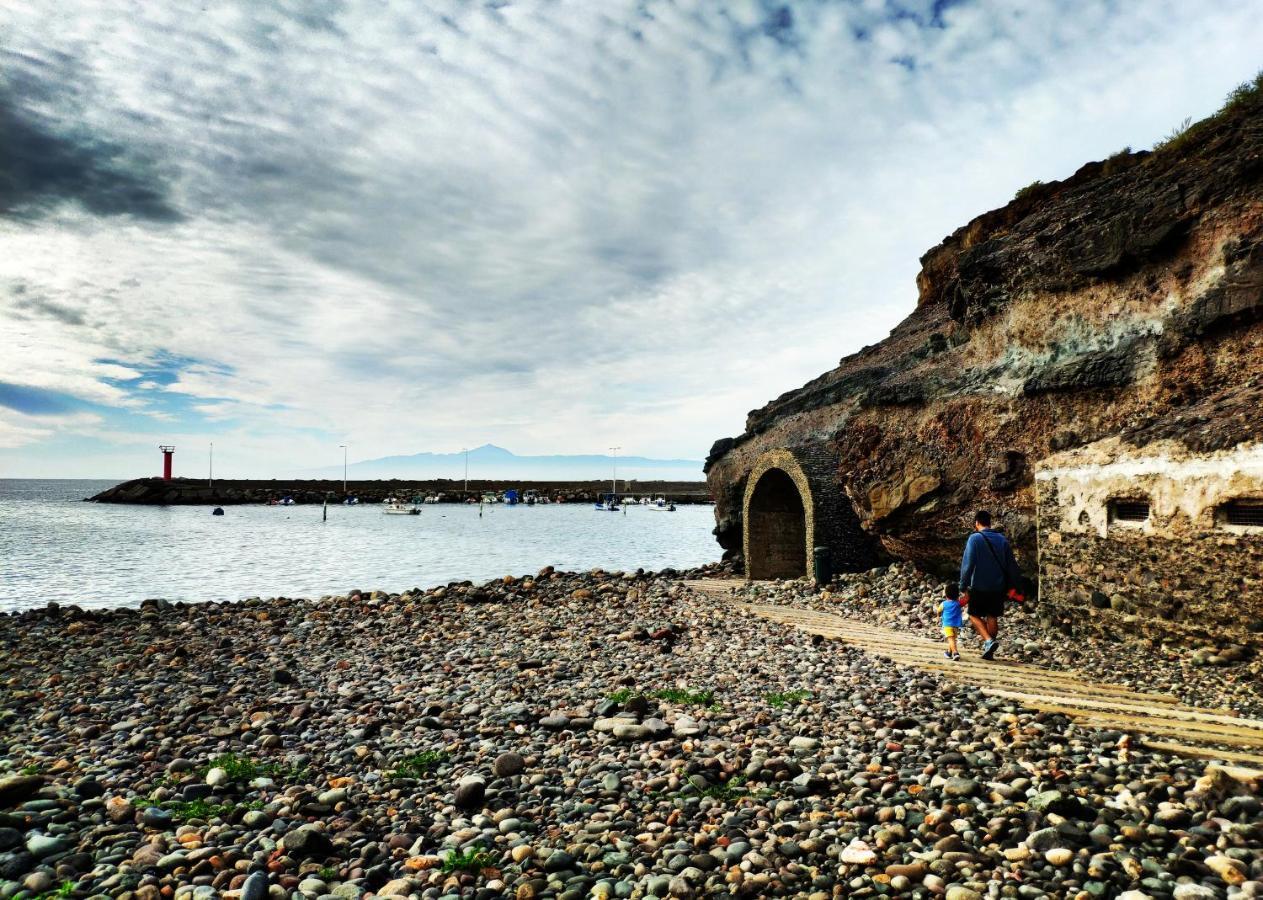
[1243, 512]
[1129, 510]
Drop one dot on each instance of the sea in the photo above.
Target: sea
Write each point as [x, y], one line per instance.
[55, 547]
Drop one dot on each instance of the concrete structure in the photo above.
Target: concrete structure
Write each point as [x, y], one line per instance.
[1159, 540]
[791, 506]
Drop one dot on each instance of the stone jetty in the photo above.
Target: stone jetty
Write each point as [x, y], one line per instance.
[230, 492]
[598, 734]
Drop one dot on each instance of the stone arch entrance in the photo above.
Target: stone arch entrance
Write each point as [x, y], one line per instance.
[779, 517]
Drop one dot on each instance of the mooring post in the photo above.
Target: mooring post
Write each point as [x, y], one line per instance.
[822, 573]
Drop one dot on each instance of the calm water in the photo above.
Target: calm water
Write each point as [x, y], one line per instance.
[55, 547]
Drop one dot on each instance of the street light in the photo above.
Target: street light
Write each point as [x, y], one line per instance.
[343, 446]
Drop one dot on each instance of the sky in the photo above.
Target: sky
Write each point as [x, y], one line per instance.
[555, 226]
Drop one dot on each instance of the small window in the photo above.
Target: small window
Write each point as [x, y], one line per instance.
[1132, 510]
[1243, 512]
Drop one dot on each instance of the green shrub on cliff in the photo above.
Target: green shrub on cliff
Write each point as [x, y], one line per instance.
[1179, 136]
[1245, 96]
[1028, 190]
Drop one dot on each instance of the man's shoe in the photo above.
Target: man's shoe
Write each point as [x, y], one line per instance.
[955, 656]
[947, 654]
[988, 649]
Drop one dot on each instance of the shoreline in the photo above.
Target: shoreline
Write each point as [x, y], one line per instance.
[589, 734]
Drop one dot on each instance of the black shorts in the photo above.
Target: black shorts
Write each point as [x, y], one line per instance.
[986, 604]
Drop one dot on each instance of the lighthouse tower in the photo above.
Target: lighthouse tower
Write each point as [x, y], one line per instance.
[167, 453]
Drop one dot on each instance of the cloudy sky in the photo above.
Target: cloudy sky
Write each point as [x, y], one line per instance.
[556, 226]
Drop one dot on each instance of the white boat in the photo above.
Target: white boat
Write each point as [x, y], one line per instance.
[661, 505]
[609, 503]
[396, 507]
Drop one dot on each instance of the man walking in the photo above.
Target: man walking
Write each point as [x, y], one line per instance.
[987, 571]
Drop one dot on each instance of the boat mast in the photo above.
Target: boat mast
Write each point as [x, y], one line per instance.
[614, 480]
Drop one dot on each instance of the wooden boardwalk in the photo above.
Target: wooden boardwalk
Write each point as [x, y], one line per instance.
[1159, 720]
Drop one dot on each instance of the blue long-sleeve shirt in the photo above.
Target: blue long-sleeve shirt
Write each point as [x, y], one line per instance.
[984, 570]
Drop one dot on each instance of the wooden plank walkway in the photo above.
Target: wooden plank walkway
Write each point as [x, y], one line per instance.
[1160, 720]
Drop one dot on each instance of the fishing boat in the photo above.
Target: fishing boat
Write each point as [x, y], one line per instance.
[661, 505]
[396, 507]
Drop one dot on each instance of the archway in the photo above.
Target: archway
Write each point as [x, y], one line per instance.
[777, 525]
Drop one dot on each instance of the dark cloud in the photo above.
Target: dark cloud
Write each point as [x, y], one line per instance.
[37, 304]
[42, 168]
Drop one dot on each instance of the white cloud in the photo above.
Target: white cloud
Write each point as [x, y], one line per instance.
[557, 226]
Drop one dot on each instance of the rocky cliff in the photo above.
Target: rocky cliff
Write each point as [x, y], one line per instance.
[1126, 300]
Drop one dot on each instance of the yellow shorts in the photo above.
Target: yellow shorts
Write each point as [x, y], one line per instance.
[950, 630]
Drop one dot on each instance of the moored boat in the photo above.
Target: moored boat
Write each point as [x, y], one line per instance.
[393, 506]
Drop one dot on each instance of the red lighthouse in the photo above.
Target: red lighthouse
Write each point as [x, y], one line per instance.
[167, 453]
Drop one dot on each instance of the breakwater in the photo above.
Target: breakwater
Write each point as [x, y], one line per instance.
[228, 492]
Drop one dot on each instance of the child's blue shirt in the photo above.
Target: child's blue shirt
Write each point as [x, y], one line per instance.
[951, 613]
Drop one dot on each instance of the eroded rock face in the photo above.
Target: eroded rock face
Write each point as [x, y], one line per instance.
[1124, 301]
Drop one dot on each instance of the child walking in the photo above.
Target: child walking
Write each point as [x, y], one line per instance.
[951, 617]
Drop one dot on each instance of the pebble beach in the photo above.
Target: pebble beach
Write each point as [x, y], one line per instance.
[567, 735]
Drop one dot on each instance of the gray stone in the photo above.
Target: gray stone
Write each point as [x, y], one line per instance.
[255, 887]
[41, 845]
[306, 843]
[961, 787]
[559, 860]
[1059, 804]
[1044, 840]
[18, 789]
[507, 764]
[1191, 891]
[156, 818]
[332, 797]
[631, 731]
[470, 792]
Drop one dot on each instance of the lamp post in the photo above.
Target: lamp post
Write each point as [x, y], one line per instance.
[343, 446]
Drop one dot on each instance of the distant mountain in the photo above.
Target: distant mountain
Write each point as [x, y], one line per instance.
[490, 461]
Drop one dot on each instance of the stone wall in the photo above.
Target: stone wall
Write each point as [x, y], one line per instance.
[779, 538]
[1183, 573]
